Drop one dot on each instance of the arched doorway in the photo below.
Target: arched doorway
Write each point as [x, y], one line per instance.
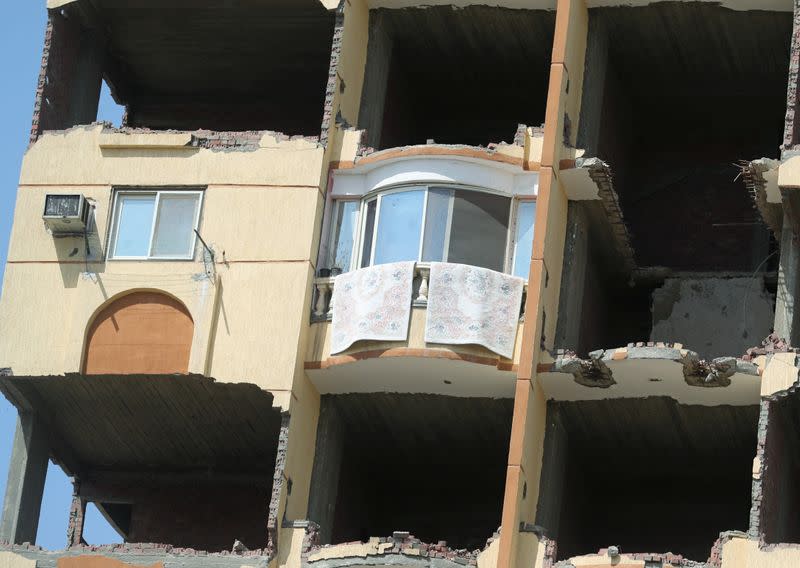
[140, 333]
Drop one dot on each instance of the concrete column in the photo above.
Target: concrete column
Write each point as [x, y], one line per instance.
[376, 79]
[26, 475]
[573, 280]
[88, 79]
[327, 469]
[554, 465]
[785, 314]
[594, 87]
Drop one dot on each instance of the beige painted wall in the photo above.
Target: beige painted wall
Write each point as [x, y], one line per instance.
[745, 553]
[262, 208]
[11, 560]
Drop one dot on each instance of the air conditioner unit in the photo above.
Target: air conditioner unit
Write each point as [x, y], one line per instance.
[66, 213]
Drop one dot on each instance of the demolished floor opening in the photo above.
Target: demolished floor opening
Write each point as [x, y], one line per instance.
[239, 65]
[456, 76]
[648, 475]
[780, 506]
[675, 95]
[428, 464]
[198, 461]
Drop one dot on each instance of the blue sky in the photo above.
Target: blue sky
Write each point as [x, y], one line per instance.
[21, 37]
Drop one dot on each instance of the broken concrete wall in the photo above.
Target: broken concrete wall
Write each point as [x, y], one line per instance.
[714, 316]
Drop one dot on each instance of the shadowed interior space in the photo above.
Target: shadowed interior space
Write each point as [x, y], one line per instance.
[780, 506]
[455, 75]
[675, 94]
[234, 65]
[179, 460]
[648, 475]
[428, 464]
[600, 305]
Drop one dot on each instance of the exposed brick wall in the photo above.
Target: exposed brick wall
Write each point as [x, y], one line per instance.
[401, 542]
[59, 60]
[225, 141]
[330, 89]
[77, 513]
[758, 481]
[277, 487]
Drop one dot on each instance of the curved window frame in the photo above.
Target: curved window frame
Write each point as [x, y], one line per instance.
[357, 253]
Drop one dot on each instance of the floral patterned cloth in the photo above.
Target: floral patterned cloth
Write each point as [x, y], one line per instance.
[467, 304]
[372, 303]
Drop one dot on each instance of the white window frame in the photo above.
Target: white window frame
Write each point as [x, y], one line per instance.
[357, 256]
[112, 240]
[511, 253]
[330, 253]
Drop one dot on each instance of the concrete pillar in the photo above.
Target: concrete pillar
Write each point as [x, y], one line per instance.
[88, 79]
[573, 280]
[26, 474]
[594, 87]
[787, 293]
[327, 469]
[554, 466]
[376, 79]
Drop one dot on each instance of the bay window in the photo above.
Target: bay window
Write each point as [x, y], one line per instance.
[154, 224]
[433, 224]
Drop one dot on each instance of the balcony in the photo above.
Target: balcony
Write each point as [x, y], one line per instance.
[412, 364]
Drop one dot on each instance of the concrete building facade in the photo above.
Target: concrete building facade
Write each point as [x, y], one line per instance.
[420, 284]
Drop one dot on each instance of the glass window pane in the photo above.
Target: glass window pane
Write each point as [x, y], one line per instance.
[523, 242]
[344, 230]
[369, 228]
[174, 235]
[479, 229]
[436, 224]
[399, 226]
[134, 223]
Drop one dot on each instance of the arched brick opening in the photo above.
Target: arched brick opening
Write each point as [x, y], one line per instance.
[140, 333]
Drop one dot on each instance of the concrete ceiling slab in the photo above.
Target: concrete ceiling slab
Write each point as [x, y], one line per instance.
[147, 423]
[415, 375]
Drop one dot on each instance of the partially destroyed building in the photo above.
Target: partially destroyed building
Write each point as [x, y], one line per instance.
[422, 285]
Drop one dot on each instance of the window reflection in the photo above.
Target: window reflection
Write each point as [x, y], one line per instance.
[434, 224]
[399, 227]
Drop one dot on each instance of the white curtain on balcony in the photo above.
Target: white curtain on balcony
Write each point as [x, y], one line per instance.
[372, 303]
[472, 305]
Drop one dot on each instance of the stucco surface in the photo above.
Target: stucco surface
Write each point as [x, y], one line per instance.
[745, 553]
